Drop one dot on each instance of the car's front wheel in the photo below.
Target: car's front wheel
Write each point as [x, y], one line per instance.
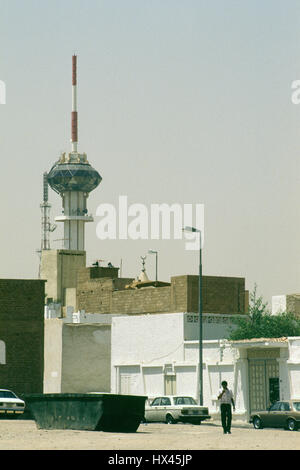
[257, 423]
[170, 419]
[292, 425]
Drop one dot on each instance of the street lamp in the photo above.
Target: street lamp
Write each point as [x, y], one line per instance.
[153, 252]
[192, 229]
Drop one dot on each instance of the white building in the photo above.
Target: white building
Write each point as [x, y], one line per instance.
[77, 356]
[158, 354]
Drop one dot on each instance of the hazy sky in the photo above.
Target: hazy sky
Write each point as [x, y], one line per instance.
[179, 102]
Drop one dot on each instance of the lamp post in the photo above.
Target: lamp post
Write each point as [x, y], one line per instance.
[192, 229]
[153, 252]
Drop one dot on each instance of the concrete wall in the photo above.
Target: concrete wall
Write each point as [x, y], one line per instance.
[145, 349]
[161, 344]
[86, 358]
[214, 326]
[22, 335]
[59, 268]
[293, 367]
[77, 357]
[147, 338]
[53, 355]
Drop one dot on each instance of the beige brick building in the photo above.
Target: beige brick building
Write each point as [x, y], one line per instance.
[98, 293]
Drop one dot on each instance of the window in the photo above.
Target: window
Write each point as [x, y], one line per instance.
[285, 406]
[7, 394]
[184, 401]
[165, 401]
[155, 402]
[296, 405]
[276, 407]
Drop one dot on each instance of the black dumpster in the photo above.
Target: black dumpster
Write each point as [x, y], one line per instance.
[86, 411]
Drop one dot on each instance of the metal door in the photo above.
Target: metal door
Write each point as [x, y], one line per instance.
[262, 373]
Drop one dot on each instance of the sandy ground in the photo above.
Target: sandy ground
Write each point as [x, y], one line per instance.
[24, 435]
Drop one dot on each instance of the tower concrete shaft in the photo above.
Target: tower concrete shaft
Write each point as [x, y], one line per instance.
[74, 218]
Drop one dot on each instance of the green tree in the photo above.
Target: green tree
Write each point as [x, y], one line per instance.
[259, 323]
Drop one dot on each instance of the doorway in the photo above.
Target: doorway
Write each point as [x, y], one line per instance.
[264, 388]
[170, 384]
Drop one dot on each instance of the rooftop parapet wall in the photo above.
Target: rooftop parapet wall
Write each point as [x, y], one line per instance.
[103, 295]
[95, 288]
[147, 300]
[96, 272]
[224, 295]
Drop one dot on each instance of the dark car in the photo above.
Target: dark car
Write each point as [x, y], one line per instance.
[282, 414]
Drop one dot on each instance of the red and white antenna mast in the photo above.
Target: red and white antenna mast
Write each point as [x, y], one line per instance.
[74, 126]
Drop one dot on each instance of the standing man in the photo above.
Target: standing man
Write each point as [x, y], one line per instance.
[226, 399]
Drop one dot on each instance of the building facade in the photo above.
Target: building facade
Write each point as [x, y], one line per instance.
[22, 335]
[76, 362]
[157, 355]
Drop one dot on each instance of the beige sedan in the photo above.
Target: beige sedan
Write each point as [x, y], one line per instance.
[171, 409]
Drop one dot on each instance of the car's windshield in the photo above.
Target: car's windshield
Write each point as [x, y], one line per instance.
[6, 394]
[184, 401]
[296, 405]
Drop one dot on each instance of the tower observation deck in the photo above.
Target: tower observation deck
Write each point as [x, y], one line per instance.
[74, 178]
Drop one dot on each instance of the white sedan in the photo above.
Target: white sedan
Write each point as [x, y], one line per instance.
[10, 404]
[171, 409]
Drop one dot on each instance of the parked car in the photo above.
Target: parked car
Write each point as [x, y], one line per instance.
[282, 414]
[10, 404]
[171, 409]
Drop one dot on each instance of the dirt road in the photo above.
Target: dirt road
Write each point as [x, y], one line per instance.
[24, 435]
